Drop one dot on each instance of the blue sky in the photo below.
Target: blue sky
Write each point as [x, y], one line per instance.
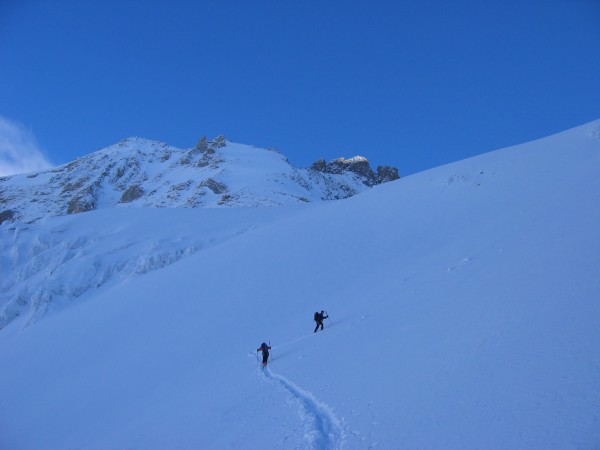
[412, 84]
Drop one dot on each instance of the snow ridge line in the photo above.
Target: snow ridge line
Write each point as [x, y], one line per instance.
[325, 429]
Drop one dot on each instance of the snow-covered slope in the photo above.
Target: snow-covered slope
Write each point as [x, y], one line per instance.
[135, 173]
[46, 266]
[463, 307]
[141, 173]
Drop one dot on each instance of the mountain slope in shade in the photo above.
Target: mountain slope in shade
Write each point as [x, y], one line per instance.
[463, 306]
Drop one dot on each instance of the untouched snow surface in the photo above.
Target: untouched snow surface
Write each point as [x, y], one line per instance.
[464, 306]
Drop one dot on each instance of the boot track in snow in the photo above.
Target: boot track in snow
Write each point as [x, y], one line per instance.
[323, 429]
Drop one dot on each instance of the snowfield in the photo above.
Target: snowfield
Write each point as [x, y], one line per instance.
[464, 305]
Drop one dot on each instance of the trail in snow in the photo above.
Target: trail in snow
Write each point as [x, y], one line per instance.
[323, 429]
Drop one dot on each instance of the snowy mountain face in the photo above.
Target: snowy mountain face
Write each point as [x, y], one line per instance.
[462, 301]
[142, 173]
[139, 173]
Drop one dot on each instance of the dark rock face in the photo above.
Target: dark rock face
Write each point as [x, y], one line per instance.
[202, 144]
[225, 199]
[132, 193]
[387, 173]
[215, 186]
[360, 166]
[71, 187]
[219, 142]
[82, 202]
[6, 216]
[320, 166]
[79, 205]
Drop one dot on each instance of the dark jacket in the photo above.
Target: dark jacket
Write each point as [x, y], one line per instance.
[319, 317]
[264, 348]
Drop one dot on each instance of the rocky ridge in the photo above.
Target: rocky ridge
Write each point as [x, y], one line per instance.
[138, 172]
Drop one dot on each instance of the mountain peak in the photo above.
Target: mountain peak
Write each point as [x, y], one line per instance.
[138, 172]
[360, 166]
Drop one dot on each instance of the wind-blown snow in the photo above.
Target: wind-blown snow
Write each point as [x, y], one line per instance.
[463, 307]
[47, 266]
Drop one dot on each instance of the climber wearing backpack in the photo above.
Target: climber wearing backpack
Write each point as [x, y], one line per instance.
[319, 317]
[265, 351]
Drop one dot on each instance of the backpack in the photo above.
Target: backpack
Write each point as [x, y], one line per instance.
[317, 317]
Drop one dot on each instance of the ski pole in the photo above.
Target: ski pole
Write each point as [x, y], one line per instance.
[328, 317]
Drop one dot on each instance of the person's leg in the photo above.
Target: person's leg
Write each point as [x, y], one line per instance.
[317, 327]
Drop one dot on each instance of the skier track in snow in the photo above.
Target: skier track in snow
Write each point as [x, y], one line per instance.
[324, 429]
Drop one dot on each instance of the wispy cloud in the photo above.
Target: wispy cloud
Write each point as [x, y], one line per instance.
[19, 150]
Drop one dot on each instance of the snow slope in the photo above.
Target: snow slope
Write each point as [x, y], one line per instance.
[51, 265]
[464, 315]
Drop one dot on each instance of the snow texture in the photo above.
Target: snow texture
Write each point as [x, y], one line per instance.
[323, 428]
[463, 305]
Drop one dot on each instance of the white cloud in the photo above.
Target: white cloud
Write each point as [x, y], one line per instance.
[19, 150]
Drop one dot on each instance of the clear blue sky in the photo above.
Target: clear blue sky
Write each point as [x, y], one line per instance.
[413, 84]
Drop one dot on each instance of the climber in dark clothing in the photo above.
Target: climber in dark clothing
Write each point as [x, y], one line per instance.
[319, 317]
[265, 351]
